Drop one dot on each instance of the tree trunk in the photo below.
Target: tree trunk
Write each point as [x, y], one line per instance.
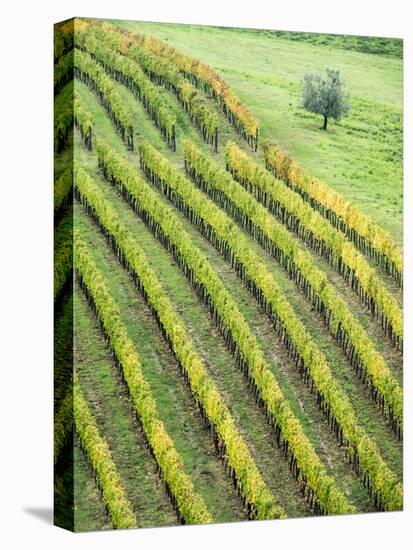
[325, 123]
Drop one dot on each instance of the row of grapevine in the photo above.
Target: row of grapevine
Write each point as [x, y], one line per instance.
[63, 254]
[63, 71]
[189, 506]
[124, 70]
[107, 476]
[230, 444]
[83, 120]
[63, 195]
[114, 40]
[163, 73]
[95, 77]
[358, 227]
[63, 423]
[203, 76]
[230, 241]
[317, 232]
[304, 462]
[298, 263]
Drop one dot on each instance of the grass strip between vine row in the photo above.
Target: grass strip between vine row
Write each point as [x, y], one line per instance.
[231, 242]
[96, 448]
[189, 506]
[313, 282]
[317, 232]
[368, 237]
[304, 462]
[230, 444]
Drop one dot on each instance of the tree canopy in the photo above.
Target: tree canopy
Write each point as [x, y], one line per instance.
[325, 95]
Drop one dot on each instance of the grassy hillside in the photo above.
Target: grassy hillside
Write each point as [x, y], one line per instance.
[297, 352]
[361, 156]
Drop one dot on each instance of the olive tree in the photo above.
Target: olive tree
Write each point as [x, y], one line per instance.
[325, 96]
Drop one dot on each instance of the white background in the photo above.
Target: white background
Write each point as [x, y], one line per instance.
[26, 271]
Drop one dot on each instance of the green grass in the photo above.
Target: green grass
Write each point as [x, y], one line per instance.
[145, 128]
[369, 417]
[108, 399]
[225, 373]
[176, 407]
[220, 365]
[361, 156]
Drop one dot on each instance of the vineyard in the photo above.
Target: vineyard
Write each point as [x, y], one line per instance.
[228, 307]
